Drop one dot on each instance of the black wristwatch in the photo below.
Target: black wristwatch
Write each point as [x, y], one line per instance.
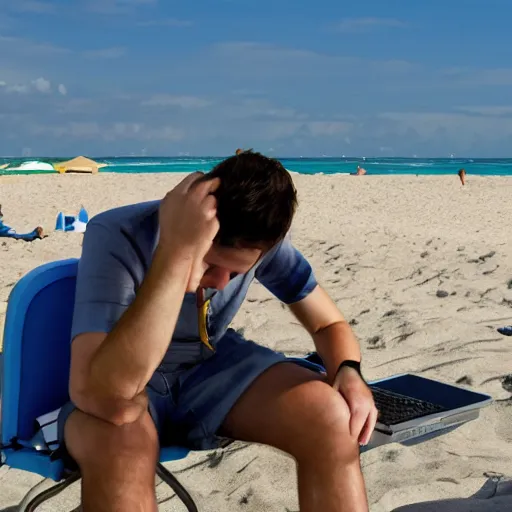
[351, 364]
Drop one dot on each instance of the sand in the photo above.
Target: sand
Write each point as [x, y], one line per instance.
[384, 247]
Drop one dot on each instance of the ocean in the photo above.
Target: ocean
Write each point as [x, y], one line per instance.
[373, 166]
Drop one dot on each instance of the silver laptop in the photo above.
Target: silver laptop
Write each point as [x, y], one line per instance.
[413, 409]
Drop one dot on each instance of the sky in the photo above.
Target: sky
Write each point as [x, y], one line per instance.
[285, 77]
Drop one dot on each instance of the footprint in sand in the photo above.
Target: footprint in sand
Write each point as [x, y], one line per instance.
[466, 380]
[506, 383]
[503, 424]
[376, 343]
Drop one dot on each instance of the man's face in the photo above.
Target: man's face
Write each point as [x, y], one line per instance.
[224, 263]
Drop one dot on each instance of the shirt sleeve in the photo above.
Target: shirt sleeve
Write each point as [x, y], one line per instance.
[105, 284]
[286, 273]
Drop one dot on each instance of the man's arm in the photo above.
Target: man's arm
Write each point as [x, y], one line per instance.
[109, 372]
[335, 343]
[121, 333]
[288, 275]
[333, 337]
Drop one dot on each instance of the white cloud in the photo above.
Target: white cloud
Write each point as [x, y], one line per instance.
[135, 2]
[109, 131]
[127, 128]
[42, 85]
[27, 46]
[328, 128]
[456, 127]
[79, 106]
[259, 108]
[106, 53]
[165, 22]
[247, 92]
[168, 133]
[18, 88]
[246, 60]
[491, 110]
[112, 7]
[38, 85]
[71, 129]
[464, 76]
[167, 100]
[368, 24]
[33, 6]
[241, 48]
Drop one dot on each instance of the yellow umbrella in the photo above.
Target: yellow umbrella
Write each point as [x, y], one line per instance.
[79, 164]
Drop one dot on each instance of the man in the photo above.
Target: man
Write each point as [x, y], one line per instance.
[153, 360]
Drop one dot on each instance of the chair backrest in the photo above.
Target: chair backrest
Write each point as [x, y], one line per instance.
[36, 347]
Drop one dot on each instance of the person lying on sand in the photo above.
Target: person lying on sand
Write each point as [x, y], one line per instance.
[462, 176]
[154, 360]
[8, 232]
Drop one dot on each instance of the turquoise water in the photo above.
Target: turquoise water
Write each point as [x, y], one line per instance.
[486, 167]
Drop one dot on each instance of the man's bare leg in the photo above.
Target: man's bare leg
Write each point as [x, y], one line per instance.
[295, 410]
[117, 463]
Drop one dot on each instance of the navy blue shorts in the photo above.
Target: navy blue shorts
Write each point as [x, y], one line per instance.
[194, 389]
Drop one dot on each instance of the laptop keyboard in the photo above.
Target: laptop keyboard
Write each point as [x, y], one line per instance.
[395, 408]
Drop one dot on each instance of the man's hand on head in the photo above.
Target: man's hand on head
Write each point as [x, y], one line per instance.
[357, 394]
[189, 224]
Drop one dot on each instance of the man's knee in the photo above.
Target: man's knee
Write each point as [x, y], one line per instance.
[327, 425]
[95, 443]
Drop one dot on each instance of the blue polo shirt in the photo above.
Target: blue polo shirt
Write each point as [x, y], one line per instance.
[117, 251]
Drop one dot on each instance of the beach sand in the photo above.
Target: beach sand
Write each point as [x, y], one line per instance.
[384, 247]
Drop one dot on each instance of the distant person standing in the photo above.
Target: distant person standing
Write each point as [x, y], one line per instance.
[359, 172]
[462, 176]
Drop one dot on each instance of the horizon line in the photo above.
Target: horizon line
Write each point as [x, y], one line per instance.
[321, 157]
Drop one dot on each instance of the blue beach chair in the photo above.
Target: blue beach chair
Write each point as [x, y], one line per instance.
[35, 375]
[34, 381]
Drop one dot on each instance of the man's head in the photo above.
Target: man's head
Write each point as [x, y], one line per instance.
[256, 202]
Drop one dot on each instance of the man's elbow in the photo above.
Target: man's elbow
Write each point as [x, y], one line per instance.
[340, 324]
[112, 409]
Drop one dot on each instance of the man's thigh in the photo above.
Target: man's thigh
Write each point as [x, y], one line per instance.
[285, 404]
[204, 396]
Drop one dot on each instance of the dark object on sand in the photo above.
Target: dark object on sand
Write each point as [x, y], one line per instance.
[441, 294]
[506, 383]
[506, 331]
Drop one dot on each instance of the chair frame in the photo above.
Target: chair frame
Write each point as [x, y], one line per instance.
[41, 492]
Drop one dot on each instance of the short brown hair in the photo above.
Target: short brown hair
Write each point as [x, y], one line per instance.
[256, 200]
